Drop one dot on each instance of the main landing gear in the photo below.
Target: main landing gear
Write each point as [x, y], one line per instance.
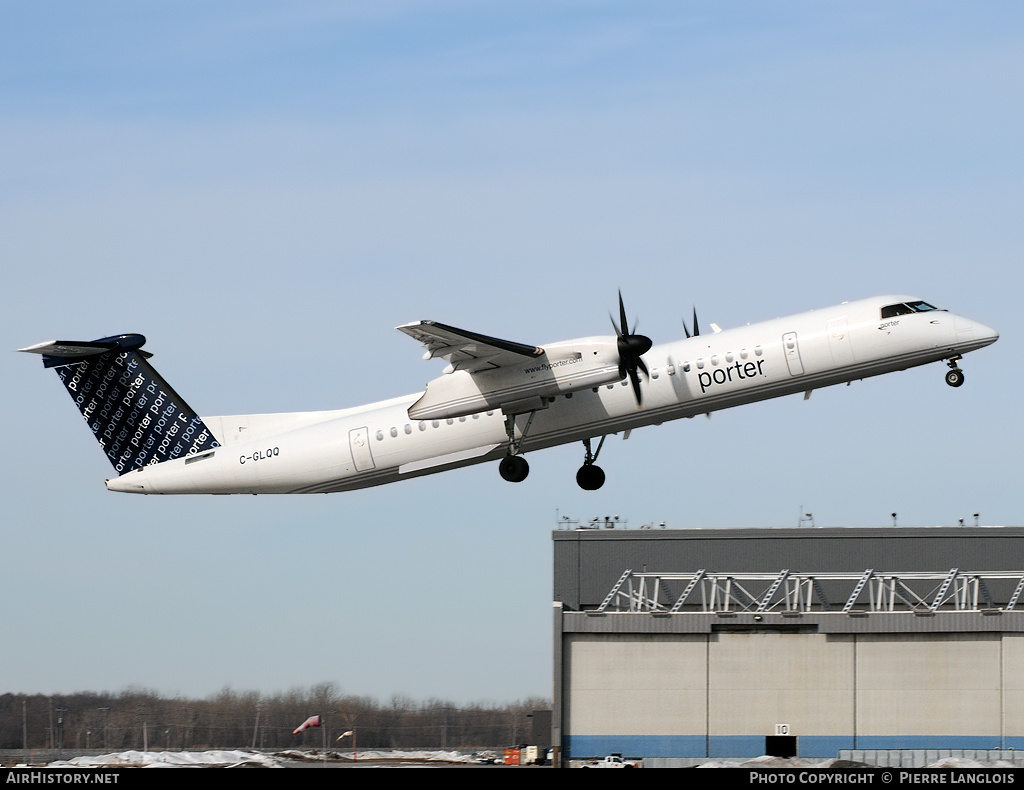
[590, 476]
[955, 376]
[514, 468]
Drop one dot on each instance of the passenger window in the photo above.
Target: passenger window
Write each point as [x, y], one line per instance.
[380, 436]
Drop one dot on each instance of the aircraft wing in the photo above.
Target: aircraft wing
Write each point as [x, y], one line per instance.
[465, 350]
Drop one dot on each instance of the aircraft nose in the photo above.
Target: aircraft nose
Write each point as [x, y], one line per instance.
[985, 334]
[972, 334]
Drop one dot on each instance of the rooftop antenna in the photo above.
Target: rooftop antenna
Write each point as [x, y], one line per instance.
[976, 519]
[894, 519]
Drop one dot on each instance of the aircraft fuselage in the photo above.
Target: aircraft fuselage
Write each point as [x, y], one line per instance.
[379, 443]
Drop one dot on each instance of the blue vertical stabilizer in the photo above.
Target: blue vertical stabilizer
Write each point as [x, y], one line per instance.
[135, 415]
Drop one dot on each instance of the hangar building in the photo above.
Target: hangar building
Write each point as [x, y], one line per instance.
[795, 642]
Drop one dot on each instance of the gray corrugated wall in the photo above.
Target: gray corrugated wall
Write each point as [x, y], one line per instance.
[588, 562]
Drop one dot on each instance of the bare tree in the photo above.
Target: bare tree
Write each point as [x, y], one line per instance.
[135, 716]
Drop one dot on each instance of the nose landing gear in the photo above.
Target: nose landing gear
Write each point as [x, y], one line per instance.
[955, 376]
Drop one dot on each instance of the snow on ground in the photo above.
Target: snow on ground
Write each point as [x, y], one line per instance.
[224, 758]
[237, 758]
[959, 763]
[171, 760]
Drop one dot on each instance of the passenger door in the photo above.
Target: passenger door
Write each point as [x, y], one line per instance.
[359, 443]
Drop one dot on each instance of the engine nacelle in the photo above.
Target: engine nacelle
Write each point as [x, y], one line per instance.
[564, 367]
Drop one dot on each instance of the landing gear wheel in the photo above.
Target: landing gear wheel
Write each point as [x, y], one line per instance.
[955, 377]
[514, 468]
[590, 477]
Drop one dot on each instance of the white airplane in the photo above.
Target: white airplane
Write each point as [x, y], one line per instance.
[496, 400]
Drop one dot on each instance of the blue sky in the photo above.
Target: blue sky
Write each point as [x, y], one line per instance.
[266, 189]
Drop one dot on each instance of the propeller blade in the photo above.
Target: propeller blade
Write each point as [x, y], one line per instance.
[696, 329]
[636, 386]
[631, 347]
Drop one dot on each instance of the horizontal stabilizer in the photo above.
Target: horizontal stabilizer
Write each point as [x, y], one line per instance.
[66, 352]
[135, 415]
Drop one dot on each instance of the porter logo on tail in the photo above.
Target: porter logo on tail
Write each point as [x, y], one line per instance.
[136, 415]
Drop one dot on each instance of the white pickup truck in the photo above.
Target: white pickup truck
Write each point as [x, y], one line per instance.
[611, 761]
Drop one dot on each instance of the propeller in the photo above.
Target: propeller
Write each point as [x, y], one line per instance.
[696, 329]
[631, 347]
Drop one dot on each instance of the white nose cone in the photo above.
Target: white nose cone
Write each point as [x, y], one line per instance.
[985, 334]
[971, 335]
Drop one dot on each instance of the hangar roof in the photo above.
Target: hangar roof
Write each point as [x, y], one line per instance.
[588, 562]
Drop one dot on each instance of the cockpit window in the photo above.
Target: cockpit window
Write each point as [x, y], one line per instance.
[895, 309]
[891, 310]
